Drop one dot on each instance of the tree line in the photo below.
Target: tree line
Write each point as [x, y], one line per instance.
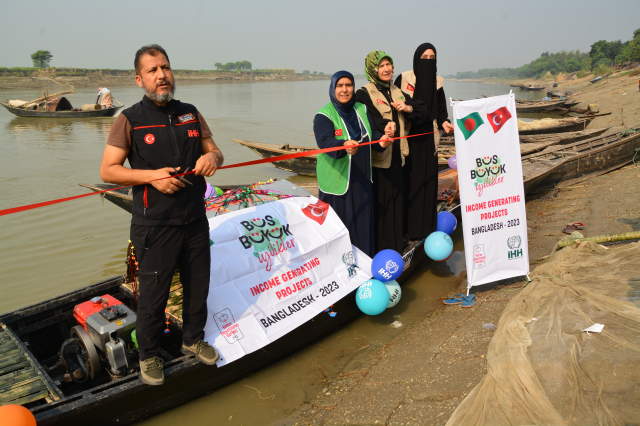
[234, 66]
[602, 54]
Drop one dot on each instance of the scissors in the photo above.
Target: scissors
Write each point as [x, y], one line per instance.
[181, 178]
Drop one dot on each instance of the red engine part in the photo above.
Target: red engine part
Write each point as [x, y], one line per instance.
[84, 310]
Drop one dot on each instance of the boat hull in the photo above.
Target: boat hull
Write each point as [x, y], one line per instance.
[109, 112]
[572, 127]
[128, 400]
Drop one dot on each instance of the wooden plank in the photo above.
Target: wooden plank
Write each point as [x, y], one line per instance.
[9, 355]
[11, 361]
[17, 375]
[17, 384]
[14, 367]
[44, 323]
[55, 392]
[22, 391]
[7, 347]
[28, 399]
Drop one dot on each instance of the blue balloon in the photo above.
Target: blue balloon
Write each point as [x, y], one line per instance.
[438, 246]
[447, 222]
[372, 297]
[395, 293]
[387, 265]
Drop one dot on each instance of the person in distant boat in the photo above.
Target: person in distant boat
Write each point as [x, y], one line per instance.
[161, 136]
[344, 176]
[393, 113]
[107, 99]
[422, 83]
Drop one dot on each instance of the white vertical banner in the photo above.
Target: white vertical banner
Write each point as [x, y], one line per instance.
[494, 217]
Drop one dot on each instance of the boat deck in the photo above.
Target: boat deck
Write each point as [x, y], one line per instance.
[21, 378]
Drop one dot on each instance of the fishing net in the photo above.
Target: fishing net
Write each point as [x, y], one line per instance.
[545, 122]
[542, 369]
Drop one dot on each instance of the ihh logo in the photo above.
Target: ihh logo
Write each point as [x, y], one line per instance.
[514, 244]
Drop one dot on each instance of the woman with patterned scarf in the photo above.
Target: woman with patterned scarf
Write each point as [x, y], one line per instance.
[392, 113]
[421, 172]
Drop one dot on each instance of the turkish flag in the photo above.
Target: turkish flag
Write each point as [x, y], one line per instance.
[380, 101]
[317, 211]
[338, 132]
[498, 117]
[410, 88]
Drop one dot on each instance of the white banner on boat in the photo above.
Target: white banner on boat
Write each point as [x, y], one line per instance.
[494, 217]
[274, 267]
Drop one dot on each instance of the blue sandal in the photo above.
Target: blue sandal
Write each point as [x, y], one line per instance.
[468, 301]
[454, 300]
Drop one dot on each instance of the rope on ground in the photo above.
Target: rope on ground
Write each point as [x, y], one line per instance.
[634, 157]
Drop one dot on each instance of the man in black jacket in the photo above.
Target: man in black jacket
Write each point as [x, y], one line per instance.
[161, 137]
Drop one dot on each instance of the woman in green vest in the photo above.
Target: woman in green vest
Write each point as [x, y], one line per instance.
[393, 113]
[344, 176]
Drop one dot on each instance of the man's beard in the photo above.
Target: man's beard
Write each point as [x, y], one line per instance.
[157, 97]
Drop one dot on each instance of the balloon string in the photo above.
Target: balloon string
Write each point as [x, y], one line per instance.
[230, 166]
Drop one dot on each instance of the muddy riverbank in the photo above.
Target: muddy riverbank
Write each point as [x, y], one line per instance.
[115, 78]
[424, 373]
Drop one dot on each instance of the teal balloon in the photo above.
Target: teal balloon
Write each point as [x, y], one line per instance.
[395, 293]
[372, 297]
[438, 246]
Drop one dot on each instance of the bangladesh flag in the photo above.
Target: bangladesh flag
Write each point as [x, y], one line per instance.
[469, 124]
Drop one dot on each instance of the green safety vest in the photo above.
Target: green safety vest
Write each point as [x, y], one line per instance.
[333, 175]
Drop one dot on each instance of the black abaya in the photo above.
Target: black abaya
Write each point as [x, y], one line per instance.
[355, 207]
[421, 175]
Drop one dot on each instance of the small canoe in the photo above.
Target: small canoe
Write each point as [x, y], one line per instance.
[20, 112]
[541, 106]
[545, 138]
[305, 166]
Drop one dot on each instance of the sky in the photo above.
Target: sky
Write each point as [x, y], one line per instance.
[324, 36]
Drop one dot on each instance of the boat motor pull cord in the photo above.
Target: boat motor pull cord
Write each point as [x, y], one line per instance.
[13, 210]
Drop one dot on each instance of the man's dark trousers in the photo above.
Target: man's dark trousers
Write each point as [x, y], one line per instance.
[158, 250]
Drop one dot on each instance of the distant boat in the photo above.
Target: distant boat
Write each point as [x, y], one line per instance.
[23, 112]
[540, 106]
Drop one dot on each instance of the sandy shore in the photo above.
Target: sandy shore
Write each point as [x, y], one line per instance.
[424, 373]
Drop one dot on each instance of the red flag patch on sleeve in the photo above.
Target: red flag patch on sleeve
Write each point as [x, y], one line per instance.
[410, 88]
[380, 101]
[338, 132]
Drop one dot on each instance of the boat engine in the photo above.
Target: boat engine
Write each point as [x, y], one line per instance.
[101, 338]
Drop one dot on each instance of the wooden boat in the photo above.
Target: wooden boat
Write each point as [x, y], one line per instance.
[568, 127]
[32, 375]
[539, 106]
[533, 88]
[20, 112]
[546, 139]
[563, 165]
[305, 166]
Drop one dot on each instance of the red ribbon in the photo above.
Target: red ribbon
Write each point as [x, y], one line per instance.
[230, 166]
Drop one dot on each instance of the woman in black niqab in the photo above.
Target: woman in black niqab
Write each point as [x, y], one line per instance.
[421, 170]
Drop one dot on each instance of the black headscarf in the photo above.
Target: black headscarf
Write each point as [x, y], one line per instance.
[346, 111]
[426, 85]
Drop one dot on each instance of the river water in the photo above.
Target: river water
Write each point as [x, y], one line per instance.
[57, 249]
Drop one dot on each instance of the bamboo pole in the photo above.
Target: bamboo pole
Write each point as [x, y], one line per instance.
[42, 98]
[600, 239]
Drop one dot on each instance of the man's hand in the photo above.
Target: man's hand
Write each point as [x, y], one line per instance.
[447, 127]
[206, 165]
[385, 141]
[351, 151]
[166, 186]
[401, 107]
[390, 129]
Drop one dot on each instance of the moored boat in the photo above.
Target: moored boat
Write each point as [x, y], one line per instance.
[71, 378]
[578, 125]
[305, 166]
[22, 112]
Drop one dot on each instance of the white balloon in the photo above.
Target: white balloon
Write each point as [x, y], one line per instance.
[395, 292]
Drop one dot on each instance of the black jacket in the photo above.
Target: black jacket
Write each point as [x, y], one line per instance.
[166, 137]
